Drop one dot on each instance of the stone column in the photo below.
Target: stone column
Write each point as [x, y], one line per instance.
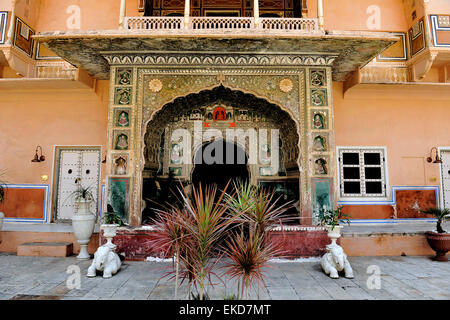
[320, 14]
[123, 8]
[11, 23]
[187, 12]
[256, 12]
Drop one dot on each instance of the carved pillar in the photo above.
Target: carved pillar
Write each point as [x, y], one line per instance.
[320, 14]
[256, 12]
[123, 5]
[11, 24]
[187, 11]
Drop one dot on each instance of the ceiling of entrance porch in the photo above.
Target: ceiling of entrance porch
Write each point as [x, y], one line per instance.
[350, 50]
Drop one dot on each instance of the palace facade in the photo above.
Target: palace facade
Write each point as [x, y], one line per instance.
[352, 97]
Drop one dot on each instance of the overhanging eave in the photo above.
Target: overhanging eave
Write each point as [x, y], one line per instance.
[351, 50]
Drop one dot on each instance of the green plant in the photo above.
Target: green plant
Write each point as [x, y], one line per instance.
[112, 218]
[81, 192]
[441, 216]
[332, 217]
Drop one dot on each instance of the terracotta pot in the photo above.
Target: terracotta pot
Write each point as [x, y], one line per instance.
[439, 242]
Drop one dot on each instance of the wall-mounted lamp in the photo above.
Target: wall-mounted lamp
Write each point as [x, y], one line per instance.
[437, 159]
[38, 158]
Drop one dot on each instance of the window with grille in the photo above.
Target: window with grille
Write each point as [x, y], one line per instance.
[362, 172]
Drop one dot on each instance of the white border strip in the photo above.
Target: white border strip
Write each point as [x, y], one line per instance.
[44, 219]
[4, 24]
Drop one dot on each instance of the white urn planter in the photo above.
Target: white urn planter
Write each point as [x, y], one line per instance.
[83, 223]
[334, 233]
[109, 232]
[105, 258]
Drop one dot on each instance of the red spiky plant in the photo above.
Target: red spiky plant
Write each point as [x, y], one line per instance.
[207, 227]
[170, 238]
[251, 250]
[249, 255]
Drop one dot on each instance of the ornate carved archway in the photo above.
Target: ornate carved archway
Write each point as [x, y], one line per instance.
[148, 92]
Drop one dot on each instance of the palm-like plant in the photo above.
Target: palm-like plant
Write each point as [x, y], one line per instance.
[248, 256]
[243, 198]
[441, 215]
[267, 211]
[170, 237]
[250, 250]
[207, 228]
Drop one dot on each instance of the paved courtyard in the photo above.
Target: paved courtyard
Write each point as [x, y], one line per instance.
[400, 278]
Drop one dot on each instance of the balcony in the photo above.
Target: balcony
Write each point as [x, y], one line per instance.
[235, 25]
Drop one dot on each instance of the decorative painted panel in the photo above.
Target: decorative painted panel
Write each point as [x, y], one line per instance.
[23, 37]
[397, 51]
[119, 197]
[123, 96]
[26, 203]
[440, 28]
[322, 196]
[416, 38]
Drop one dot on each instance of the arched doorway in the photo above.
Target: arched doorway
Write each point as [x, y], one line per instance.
[219, 162]
[219, 109]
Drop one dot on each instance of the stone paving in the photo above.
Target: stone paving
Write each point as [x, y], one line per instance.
[401, 278]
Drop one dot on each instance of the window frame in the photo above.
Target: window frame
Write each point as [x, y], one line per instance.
[363, 196]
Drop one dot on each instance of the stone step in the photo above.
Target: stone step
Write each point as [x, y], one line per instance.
[45, 249]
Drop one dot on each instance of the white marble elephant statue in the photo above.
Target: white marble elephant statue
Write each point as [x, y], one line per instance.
[106, 260]
[335, 260]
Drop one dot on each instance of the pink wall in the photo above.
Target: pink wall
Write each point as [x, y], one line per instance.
[48, 118]
[95, 15]
[406, 122]
[352, 15]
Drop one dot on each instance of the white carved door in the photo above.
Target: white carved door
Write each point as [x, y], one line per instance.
[82, 165]
[445, 177]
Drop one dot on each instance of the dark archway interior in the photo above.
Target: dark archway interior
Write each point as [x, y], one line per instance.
[218, 163]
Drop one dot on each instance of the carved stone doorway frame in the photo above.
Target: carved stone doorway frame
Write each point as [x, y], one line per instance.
[142, 84]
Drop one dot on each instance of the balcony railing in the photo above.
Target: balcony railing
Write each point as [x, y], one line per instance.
[55, 70]
[384, 74]
[290, 25]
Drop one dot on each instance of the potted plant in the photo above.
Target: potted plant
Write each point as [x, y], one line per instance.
[83, 220]
[111, 221]
[439, 241]
[330, 219]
